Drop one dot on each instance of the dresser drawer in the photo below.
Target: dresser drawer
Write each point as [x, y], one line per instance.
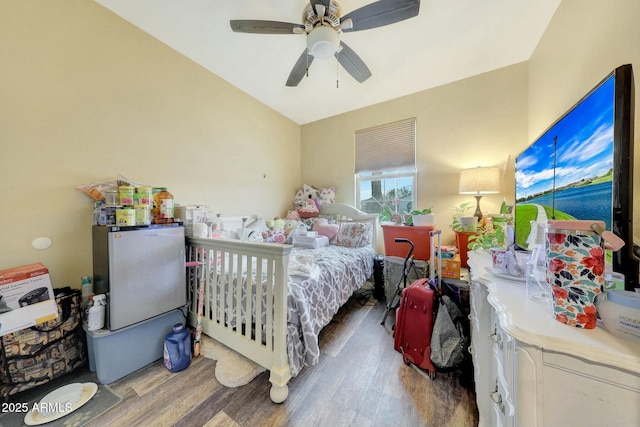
[503, 409]
[502, 342]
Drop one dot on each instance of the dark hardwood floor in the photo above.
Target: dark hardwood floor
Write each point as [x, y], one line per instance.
[360, 381]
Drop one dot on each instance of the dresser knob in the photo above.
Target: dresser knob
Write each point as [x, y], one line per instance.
[496, 337]
[497, 398]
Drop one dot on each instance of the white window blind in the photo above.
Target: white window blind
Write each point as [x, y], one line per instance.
[387, 147]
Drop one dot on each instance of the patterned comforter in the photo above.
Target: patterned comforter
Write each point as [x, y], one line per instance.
[320, 282]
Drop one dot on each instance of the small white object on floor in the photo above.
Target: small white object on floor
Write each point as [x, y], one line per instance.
[232, 369]
[60, 402]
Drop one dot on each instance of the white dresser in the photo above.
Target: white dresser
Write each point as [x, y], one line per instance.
[531, 370]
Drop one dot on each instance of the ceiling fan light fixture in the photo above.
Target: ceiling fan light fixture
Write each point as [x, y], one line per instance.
[323, 42]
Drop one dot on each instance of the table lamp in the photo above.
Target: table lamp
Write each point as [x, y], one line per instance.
[479, 181]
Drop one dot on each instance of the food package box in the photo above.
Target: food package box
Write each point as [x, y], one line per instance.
[191, 213]
[451, 267]
[26, 298]
[311, 242]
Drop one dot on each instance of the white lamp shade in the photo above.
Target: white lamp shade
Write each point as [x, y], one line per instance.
[323, 42]
[480, 180]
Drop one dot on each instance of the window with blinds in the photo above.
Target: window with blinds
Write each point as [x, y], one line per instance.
[385, 167]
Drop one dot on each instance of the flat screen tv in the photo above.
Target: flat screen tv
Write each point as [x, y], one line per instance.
[581, 167]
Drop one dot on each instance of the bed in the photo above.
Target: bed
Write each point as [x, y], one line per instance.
[269, 301]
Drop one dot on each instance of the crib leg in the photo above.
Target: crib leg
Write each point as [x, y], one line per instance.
[279, 379]
[279, 394]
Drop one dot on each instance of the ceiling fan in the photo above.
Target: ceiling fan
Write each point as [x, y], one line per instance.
[323, 23]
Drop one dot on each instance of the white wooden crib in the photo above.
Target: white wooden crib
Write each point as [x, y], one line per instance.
[232, 270]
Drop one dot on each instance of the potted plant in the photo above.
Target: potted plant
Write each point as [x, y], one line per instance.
[422, 217]
[465, 227]
[385, 214]
[388, 216]
[461, 219]
[487, 237]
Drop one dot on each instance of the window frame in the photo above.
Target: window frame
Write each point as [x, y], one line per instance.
[393, 142]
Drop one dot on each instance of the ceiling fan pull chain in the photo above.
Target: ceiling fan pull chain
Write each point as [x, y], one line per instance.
[337, 76]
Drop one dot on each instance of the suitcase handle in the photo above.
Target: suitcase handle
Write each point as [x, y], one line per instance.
[435, 276]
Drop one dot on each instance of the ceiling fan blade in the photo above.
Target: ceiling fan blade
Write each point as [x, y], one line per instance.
[325, 3]
[352, 63]
[263, 27]
[300, 68]
[380, 13]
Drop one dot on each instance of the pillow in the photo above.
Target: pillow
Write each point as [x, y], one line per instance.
[322, 226]
[354, 234]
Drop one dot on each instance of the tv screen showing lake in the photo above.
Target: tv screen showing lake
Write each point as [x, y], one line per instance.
[588, 202]
[570, 166]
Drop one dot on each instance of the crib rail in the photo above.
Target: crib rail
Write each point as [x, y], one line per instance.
[245, 302]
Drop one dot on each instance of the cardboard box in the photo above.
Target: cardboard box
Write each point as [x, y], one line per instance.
[26, 298]
[451, 267]
[191, 213]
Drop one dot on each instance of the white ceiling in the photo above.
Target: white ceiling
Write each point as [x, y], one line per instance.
[449, 40]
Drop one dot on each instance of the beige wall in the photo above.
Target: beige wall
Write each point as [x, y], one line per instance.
[585, 41]
[484, 119]
[84, 96]
[479, 121]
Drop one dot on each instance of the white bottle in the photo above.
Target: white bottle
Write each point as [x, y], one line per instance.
[536, 275]
[95, 318]
[87, 290]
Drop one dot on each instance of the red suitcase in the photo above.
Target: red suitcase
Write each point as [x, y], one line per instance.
[414, 324]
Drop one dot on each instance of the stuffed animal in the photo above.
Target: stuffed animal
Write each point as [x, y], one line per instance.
[309, 210]
[274, 236]
[299, 200]
[309, 192]
[278, 223]
[294, 215]
[326, 196]
[323, 227]
[290, 224]
[293, 227]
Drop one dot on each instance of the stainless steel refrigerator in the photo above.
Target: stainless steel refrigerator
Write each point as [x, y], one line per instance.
[141, 269]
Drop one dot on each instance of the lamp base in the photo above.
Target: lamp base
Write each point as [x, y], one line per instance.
[478, 212]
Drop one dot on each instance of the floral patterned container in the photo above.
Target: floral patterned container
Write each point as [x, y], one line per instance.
[575, 270]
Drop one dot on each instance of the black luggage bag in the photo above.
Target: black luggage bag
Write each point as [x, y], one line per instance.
[36, 355]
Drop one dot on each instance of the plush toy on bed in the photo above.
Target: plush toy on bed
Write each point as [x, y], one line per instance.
[307, 206]
[274, 236]
[303, 194]
[294, 215]
[277, 222]
[322, 227]
[309, 192]
[326, 196]
[299, 200]
[309, 210]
